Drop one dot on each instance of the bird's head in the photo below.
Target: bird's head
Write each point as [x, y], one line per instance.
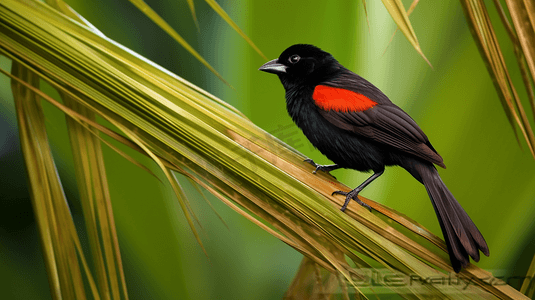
[300, 64]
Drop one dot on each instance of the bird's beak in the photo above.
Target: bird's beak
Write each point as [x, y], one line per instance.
[273, 66]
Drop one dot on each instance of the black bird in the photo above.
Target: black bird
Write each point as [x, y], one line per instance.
[356, 126]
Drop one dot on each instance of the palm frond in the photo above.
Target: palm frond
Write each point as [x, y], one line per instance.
[149, 12]
[94, 192]
[409, 12]
[366, 13]
[527, 78]
[219, 10]
[484, 34]
[528, 286]
[191, 5]
[401, 17]
[523, 15]
[313, 282]
[59, 239]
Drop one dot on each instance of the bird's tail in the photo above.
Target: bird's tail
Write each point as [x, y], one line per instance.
[460, 233]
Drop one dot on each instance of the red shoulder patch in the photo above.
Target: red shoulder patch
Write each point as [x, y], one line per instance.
[331, 98]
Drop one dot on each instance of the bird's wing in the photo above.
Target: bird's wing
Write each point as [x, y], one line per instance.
[384, 123]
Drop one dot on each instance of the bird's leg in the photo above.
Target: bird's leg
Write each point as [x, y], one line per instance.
[354, 193]
[324, 168]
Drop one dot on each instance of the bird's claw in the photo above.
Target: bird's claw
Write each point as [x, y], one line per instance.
[318, 167]
[339, 193]
[349, 196]
[310, 161]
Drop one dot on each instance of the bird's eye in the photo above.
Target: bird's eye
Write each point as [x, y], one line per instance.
[294, 58]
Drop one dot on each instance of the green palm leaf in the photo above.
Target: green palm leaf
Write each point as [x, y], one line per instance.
[401, 17]
[485, 37]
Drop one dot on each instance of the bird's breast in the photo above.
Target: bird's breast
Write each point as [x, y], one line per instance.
[342, 147]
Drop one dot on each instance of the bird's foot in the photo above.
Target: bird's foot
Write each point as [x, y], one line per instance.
[324, 168]
[352, 195]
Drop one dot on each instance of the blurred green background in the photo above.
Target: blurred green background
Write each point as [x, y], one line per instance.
[455, 103]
